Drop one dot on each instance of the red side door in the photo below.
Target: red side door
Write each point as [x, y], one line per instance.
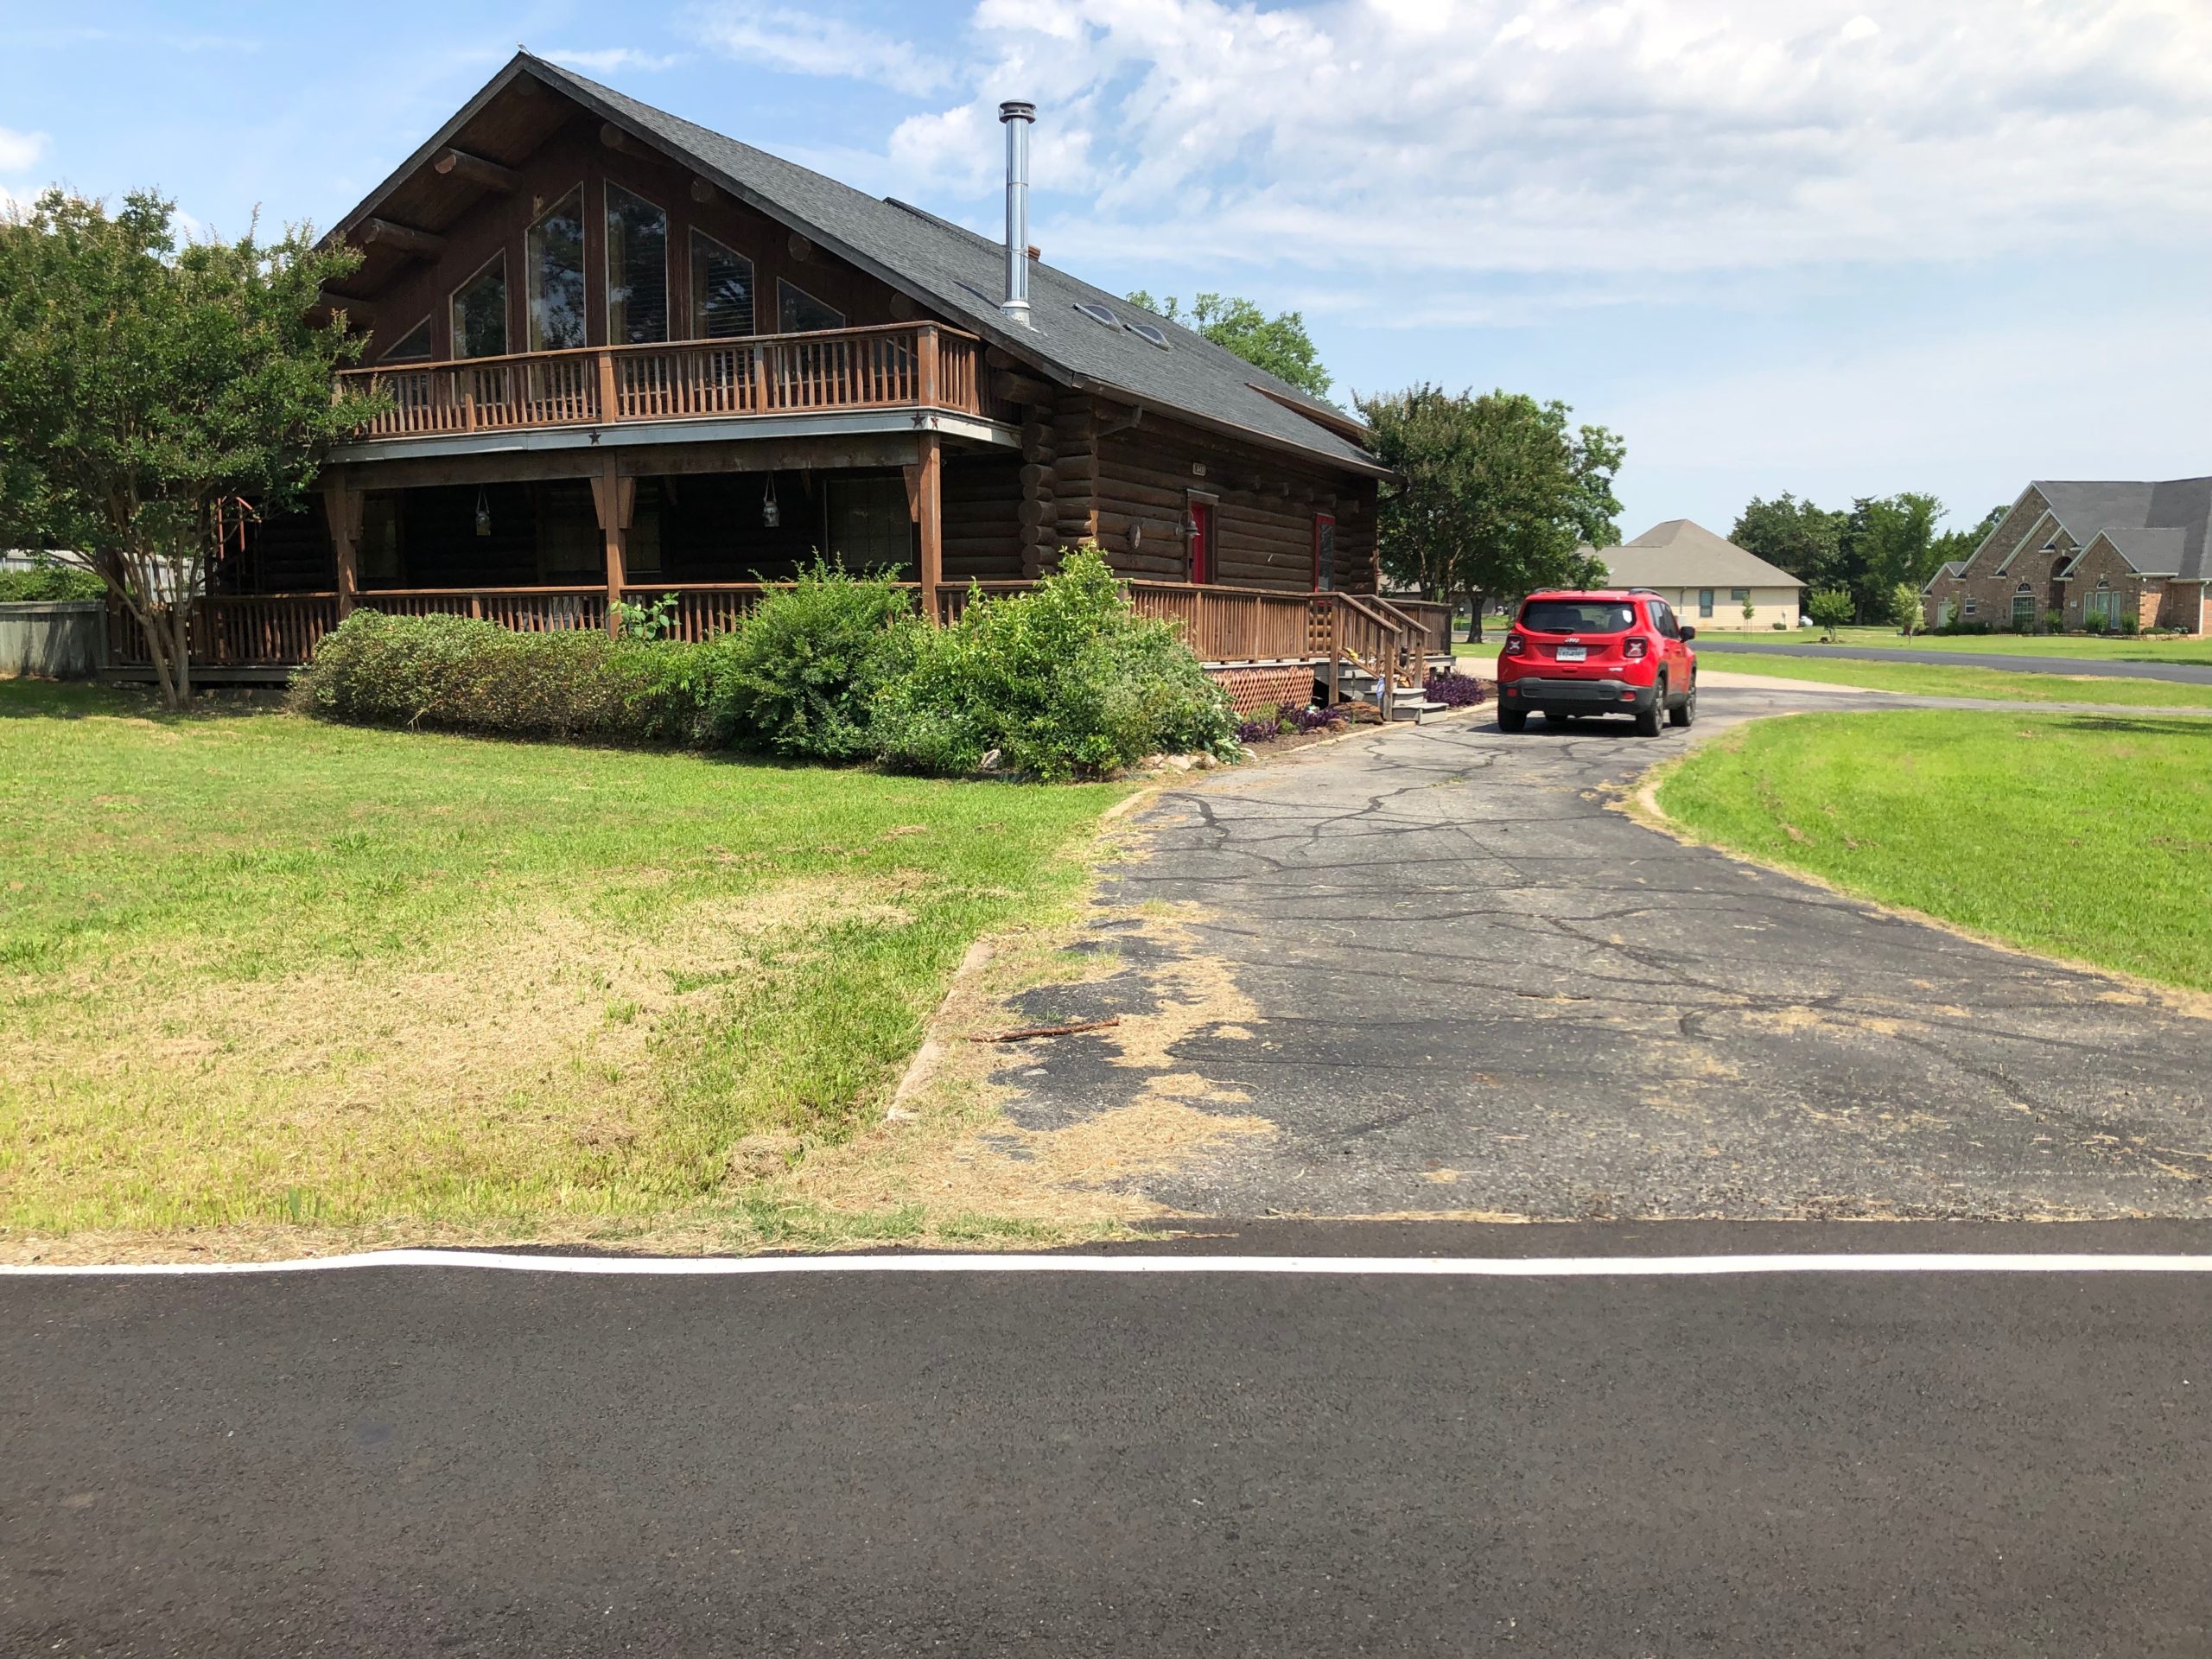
[1201, 541]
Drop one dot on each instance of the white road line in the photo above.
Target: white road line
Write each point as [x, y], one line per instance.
[1539, 1267]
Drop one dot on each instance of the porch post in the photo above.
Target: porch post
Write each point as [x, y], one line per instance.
[615, 497]
[341, 507]
[930, 511]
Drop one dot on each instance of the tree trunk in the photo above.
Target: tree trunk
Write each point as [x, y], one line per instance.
[1475, 602]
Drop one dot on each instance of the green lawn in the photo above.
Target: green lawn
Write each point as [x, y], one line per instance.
[1931, 679]
[1946, 680]
[259, 969]
[2098, 647]
[2084, 836]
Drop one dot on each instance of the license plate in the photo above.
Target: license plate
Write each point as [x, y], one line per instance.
[1572, 653]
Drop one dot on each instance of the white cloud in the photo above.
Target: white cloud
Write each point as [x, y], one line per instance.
[604, 59]
[1629, 147]
[19, 151]
[807, 42]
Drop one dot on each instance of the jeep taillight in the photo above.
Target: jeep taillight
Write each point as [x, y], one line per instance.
[1635, 648]
[1515, 645]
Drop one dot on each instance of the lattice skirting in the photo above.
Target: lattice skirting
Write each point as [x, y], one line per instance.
[1251, 690]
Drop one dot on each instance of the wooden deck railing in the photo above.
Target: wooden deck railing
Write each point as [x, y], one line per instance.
[901, 365]
[240, 630]
[1222, 625]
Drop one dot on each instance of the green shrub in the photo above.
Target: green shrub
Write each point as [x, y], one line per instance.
[798, 676]
[2131, 625]
[50, 582]
[1062, 682]
[1904, 608]
[453, 674]
[1831, 609]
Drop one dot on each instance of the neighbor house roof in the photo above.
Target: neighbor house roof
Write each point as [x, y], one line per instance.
[1680, 554]
[961, 275]
[2157, 525]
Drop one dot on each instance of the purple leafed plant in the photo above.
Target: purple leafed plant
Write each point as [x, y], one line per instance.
[1317, 720]
[1258, 731]
[1456, 690]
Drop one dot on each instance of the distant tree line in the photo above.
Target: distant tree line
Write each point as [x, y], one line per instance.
[1879, 544]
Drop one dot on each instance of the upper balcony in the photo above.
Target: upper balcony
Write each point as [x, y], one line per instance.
[919, 367]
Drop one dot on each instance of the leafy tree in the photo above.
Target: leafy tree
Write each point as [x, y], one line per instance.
[1960, 544]
[1904, 608]
[1279, 344]
[1794, 536]
[1889, 541]
[1495, 495]
[1832, 607]
[152, 390]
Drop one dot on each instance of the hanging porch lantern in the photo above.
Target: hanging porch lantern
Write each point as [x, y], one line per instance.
[770, 514]
[483, 512]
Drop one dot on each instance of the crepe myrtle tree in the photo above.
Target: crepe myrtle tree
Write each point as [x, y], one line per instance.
[155, 390]
[1492, 495]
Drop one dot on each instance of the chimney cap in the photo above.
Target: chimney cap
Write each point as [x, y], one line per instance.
[1016, 108]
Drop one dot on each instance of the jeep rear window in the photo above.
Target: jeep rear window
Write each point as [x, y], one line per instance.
[1577, 616]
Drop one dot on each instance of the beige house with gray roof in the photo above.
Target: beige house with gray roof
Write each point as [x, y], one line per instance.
[1706, 578]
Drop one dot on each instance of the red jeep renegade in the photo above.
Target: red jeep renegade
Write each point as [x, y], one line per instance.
[1611, 652]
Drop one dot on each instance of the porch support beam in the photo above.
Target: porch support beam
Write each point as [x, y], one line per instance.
[660, 461]
[929, 515]
[460, 164]
[615, 497]
[342, 505]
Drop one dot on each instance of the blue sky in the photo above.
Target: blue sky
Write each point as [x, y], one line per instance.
[1841, 248]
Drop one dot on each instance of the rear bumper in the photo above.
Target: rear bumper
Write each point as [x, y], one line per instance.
[1577, 696]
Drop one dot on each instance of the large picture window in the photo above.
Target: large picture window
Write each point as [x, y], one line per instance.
[721, 290]
[413, 347]
[637, 269]
[799, 312]
[480, 312]
[555, 250]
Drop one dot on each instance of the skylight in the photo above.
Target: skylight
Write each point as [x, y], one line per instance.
[1097, 312]
[1151, 332]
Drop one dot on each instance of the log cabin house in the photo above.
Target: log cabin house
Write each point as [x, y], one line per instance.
[626, 357]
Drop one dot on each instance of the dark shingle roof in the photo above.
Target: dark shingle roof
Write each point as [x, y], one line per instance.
[2159, 526]
[961, 275]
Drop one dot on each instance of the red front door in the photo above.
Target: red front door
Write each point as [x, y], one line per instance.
[1201, 541]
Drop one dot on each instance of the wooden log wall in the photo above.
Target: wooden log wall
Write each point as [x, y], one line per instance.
[1265, 504]
[982, 495]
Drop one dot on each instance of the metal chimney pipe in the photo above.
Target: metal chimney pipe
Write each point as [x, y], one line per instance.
[1017, 117]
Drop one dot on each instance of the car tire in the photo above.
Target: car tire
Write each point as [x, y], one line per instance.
[1687, 712]
[1512, 719]
[1650, 722]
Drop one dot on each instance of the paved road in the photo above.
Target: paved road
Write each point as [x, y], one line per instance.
[1464, 983]
[2180, 673]
[437, 1462]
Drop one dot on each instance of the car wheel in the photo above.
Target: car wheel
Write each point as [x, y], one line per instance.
[1648, 721]
[1512, 719]
[1688, 713]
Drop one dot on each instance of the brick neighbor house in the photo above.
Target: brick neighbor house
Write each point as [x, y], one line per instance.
[2088, 549]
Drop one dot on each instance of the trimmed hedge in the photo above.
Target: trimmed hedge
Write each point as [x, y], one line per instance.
[50, 583]
[1062, 682]
[450, 673]
[799, 677]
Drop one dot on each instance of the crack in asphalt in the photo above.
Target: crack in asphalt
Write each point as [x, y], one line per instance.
[1481, 988]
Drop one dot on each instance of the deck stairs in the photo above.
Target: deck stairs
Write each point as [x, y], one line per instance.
[1357, 684]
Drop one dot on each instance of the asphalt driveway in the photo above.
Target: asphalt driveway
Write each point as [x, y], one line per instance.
[1453, 977]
